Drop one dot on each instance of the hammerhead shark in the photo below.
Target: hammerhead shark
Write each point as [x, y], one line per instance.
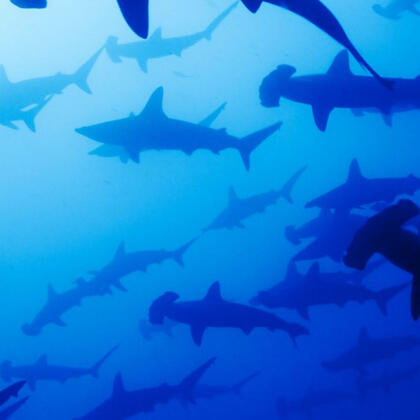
[239, 209]
[102, 282]
[124, 404]
[396, 8]
[340, 88]
[7, 412]
[215, 312]
[359, 191]
[11, 391]
[384, 234]
[318, 288]
[156, 46]
[369, 350]
[152, 129]
[41, 370]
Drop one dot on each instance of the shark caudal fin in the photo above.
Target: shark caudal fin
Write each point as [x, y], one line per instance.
[111, 46]
[136, 14]
[384, 296]
[249, 143]
[415, 297]
[94, 370]
[28, 117]
[287, 188]
[186, 388]
[237, 388]
[178, 254]
[208, 32]
[81, 75]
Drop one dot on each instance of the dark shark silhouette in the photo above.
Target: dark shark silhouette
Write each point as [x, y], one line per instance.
[153, 130]
[239, 209]
[339, 88]
[102, 282]
[359, 191]
[318, 288]
[385, 235]
[313, 399]
[317, 13]
[148, 330]
[12, 408]
[396, 8]
[41, 370]
[111, 151]
[369, 350]
[11, 391]
[157, 46]
[215, 312]
[123, 404]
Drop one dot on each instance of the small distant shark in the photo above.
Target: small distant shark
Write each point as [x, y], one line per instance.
[396, 8]
[41, 370]
[157, 47]
[153, 130]
[7, 412]
[385, 235]
[370, 350]
[340, 88]
[102, 282]
[359, 191]
[148, 330]
[215, 312]
[239, 209]
[313, 399]
[11, 391]
[123, 404]
[317, 288]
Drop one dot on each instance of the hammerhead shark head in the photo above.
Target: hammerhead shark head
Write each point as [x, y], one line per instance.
[318, 288]
[385, 235]
[239, 209]
[7, 412]
[312, 400]
[101, 283]
[340, 88]
[359, 191]
[124, 404]
[157, 46]
[11, 391]
[396, 8]
[153, 130]
[370, 350]
[41, 370]
[215, 312]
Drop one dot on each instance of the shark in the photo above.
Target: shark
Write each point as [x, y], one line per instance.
[7, 412]
[42, 370]
[318, 288]
[359, 191]
[11, 391]
[238, 209]
[157, 47]
[395, 8]
[152, 129]
[384, 234]
[124, 404]
[215, 312]
[369, 350]
[339, 88]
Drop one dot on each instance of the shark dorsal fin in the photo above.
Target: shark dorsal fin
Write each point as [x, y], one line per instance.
[120, 251]
[363, 336]
[3, 76]
[213, 294]
[233, 197]
[156, 35]
[354, 174]
[154, 104]
[340, 66]
[252, 5]
[51, 292]
[118, 387]
[42, 361]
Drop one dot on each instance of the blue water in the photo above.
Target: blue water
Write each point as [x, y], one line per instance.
[64, 212]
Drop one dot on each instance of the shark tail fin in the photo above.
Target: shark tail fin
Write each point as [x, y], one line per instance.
[186, 387]
[415, 297]
[208, 32]
[287, 189]
[384, 296]
[29, 116]
[111, 49]
[94, 370]
[178, 254]
[81, 75]
[237, 388]
[249, 143]
[5, 371]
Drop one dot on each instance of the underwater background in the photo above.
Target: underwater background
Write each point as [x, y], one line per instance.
[65, 212]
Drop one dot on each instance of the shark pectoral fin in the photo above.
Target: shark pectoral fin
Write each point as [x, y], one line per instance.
[247, 329]
[321, 113]
[143, 65]
[133, 153]
[387, 117]
[10, 125]
[197, 332]
[415, 297]
[252, 5]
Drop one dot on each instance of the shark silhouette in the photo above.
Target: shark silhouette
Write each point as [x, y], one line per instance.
[7, 412]
[156, 46]
[395, 8]
[153, 130]
[339, 88]
[11, 391]
[215, 312]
